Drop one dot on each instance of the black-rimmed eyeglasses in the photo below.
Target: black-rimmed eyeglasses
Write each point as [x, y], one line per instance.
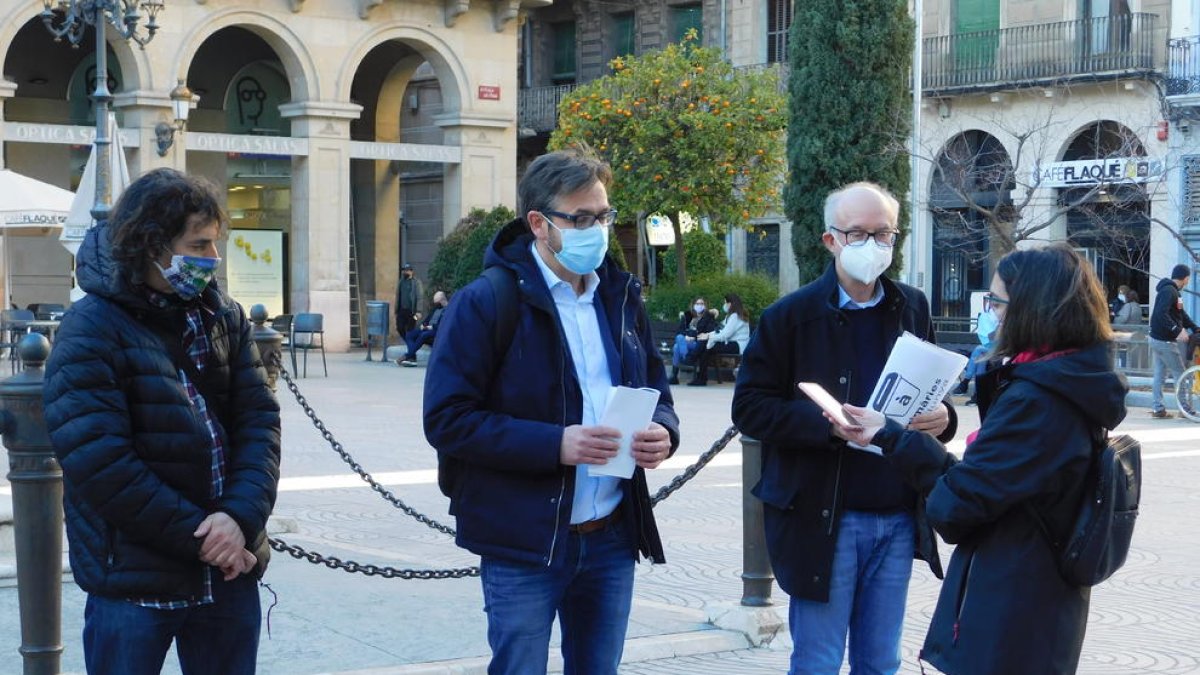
[886, 238]
[995, 299]
[582, 221]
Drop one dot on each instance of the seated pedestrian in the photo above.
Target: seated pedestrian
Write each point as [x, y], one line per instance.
[694, 321]
[732, 338]
[424, 333]
[1004, 608]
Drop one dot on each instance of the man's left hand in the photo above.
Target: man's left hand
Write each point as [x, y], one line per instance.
[933, 422]
[651, 446]
[223, 540]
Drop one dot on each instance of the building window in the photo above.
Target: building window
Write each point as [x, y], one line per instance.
[685, 18]
[563, 68]
[624, 35]
[1191, 191]
[779, 22]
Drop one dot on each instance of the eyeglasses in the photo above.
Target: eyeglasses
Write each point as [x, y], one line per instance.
[995, 299]
[885, 238]
[582, 221]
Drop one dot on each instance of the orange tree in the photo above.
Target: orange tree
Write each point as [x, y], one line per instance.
[683, 130]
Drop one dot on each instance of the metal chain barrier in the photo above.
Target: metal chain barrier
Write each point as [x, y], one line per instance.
[333, 562]
[690, 472]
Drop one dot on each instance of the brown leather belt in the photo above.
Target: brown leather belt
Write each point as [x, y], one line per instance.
[590, 526]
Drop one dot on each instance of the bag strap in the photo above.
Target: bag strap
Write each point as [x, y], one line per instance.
[504, 290]
[1099, 441]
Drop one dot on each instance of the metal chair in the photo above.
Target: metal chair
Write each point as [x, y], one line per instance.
[282, 324]
[48, 310]
[308, 333]
[14, 324]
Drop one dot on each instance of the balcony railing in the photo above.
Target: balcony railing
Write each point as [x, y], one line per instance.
[1183, 66]
[537, 107]
[1044, 53]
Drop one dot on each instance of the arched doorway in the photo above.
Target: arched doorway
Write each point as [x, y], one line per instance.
[1107, 207]
[971, 204]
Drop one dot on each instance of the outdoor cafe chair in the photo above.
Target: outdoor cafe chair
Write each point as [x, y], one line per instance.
[308, 333]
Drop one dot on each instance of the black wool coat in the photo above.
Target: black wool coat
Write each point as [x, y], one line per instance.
[135, 453]
[1003, 607]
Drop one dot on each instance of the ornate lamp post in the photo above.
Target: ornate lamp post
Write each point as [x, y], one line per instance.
[69, 19]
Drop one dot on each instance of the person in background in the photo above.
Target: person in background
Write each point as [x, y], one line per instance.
[409, 295]
[425, 333]
[985, 330]
[1167, 323]
[694, 321]
[732, 338]
[1115, 305]
[1130, 313]
[1004, 608]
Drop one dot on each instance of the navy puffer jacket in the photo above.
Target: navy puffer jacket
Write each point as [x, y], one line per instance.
[135, 453]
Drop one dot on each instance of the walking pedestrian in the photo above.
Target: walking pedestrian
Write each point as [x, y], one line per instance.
[409, 296]
[1167, 335]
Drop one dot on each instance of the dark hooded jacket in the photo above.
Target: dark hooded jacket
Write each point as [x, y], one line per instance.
[1167, 317]
[135, 453]
[497, 420]
[805, 337]
[1003, 607]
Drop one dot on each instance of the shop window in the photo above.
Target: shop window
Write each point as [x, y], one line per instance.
[624, 35]
[779, 22]
[685, 18]
[563, 66]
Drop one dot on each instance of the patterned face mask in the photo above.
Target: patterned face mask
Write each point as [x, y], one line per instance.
[189, 274]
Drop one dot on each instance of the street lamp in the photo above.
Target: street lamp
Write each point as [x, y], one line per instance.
[69, 19]
[181, 104]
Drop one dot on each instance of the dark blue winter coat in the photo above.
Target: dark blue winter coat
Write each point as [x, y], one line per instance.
[805, 337]
[1003, 607]
[135, 453]
[497, 420]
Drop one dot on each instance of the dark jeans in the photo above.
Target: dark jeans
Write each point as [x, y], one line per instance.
[414, 339]
[404, 320]
[589, 587]
[121, 638]
[707, 348]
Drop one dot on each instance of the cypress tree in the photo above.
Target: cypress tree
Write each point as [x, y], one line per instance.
[850, 112]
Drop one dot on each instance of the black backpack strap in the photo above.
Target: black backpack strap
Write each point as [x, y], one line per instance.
[504, 290]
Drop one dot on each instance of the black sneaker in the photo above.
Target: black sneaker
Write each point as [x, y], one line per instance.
[961, 388]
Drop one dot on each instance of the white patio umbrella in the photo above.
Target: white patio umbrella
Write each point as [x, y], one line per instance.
[28, 203]
[80, 219]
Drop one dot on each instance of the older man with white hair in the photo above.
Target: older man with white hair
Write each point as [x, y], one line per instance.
[842, 527]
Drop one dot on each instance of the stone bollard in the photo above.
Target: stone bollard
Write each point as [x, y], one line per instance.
[756, 566]
[270, 343]
[37, 490]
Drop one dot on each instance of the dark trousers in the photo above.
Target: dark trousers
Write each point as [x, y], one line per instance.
[121, 638]
[707, 349]
[414, 339]
[404, 320]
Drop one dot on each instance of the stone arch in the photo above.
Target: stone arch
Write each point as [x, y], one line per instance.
[303, 75]
[1107, 133]
[447, 67]
[135, 64]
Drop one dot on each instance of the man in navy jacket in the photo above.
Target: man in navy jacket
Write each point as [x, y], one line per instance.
[1167, 323]
[841, 525]
[158, 408]
[515, 421]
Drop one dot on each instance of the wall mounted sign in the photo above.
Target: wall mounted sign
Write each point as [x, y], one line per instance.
[489, 92]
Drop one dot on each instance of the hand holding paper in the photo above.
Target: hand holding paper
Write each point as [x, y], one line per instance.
[629, 411]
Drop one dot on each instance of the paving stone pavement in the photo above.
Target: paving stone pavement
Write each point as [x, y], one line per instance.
[1143, 621]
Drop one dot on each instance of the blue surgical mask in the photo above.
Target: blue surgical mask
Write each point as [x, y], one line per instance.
[582, 250]
[189, 275]
[699, 309]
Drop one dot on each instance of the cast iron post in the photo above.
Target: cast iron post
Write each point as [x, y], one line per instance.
[756, 567]
[37, 490]
[269, 341]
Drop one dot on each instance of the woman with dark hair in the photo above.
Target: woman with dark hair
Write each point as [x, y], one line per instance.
[696, 320]
[1003, 607]
[732, 337]
[1130, 312]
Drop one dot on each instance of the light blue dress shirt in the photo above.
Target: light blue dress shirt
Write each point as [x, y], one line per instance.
[595, 497]
[847, 302]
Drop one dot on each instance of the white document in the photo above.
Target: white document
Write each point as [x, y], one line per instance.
[915, 379]
[629, 410]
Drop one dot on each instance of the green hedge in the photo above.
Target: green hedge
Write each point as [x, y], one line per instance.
[666, 301]
[705, 256]
[459, 257]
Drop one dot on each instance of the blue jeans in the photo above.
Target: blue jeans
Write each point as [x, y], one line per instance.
[872, 564]
[121, 638]
[415, 338]
[975, 363]
[589, 585]
[683, 347]
[1168, 356]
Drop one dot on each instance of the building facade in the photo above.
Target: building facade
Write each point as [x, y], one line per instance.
[1040, 121]
[348, 135]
